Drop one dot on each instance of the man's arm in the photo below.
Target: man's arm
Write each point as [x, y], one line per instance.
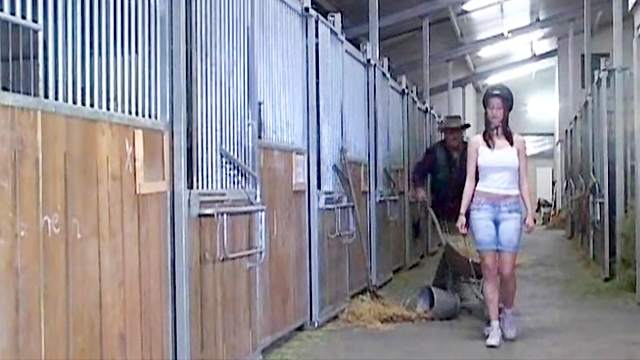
[423, 168]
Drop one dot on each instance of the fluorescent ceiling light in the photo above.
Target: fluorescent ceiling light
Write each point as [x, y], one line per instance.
[518, 72]
[518, 42]
[472, 5]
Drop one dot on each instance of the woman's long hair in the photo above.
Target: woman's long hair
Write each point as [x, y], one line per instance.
[506, 130]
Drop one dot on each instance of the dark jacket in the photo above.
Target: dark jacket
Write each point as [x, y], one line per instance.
[447, 178]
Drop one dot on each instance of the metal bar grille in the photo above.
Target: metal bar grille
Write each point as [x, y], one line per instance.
[282, 70]
[396, 127]
[219, 59]
[20, 33]
[330, 77]
[355, 107]
[383, 90]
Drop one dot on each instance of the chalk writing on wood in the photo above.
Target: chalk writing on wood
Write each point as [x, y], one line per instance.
[51, 224]
[129, 156]
[76, 226]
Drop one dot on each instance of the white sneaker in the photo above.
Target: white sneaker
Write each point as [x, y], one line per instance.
[508, 325]
[495, 337]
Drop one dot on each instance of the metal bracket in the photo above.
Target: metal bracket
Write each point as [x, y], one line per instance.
[222, 215]
[349, 235]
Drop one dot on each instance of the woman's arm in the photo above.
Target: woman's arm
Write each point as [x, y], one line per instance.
[470, 182]
[521, 146]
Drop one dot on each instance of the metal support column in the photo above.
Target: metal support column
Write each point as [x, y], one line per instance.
[450, 88]
[312, 192]
[374, 29]
[180, 193]
[619, 129]
[572, 76]
[587, 45]
[636, 101]
[605, 166]
[426, 75]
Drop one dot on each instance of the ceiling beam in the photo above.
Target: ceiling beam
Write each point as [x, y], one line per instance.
[389, 35]
[563, 17]
[326, 5]
[418, 11]
[485, 74]
[456, 28]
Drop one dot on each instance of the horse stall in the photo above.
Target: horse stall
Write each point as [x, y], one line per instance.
[331, 213]
[388, 244]
[84, 134]
[417, 218]
[355, 127]
[247, 169]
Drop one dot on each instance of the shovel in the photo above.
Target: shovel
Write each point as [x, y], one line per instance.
[344, 175]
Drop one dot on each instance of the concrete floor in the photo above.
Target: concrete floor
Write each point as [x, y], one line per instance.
[565, 312]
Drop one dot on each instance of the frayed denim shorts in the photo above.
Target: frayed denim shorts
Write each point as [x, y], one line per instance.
[497, 223]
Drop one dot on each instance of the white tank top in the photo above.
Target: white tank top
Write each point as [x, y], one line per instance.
[498, 171]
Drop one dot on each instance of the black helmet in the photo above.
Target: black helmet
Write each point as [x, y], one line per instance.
[501, 91]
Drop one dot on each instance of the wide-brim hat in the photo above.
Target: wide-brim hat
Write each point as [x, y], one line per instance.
[453, 122]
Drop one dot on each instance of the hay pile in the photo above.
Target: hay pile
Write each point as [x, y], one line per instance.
[467, 248]
[372, 313]
[464, 246]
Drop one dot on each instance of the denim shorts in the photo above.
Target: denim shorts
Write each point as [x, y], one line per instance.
[497, 224]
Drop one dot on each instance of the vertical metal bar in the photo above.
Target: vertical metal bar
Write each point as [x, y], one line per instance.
[226, 121]
[180, 203]
[312, 194]
[153, 59]
[127, 58]
[112, 57]
[20, 61]
[134, 58]
[117, 42]
[103, 53]
[207, 65]
[636, 106]
[140, 56]
[374, 29]
[40, 35]
[29, 11]
[605, 171]
[59, 77]
[196, 35]
[78, 52]
[18, 8]
[95, 36]
[587, 44]
[426, 55]
[571, 69]
[619, 129]
[450, 87]
[5, 7]
[87, 53]
[69, 60]
[51, 75]
[145, 58]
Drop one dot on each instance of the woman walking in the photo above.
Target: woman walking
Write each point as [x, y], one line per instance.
[496, 215]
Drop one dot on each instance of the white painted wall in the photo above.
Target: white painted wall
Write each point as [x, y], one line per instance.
[440, 102]
[471, 109]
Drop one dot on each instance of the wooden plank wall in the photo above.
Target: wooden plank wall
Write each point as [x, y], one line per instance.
[223, 306]
[357, 262]
[229, 318]
[396, 227]
[84, 266]
[334, 267]
[284, 276]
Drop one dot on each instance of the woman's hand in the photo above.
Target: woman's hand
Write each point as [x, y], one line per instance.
[461, 224]
[529, 224]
